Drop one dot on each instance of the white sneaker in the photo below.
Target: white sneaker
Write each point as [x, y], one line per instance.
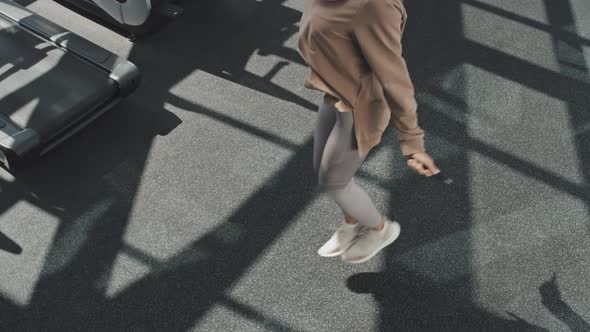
[342, 239]
[371, 242]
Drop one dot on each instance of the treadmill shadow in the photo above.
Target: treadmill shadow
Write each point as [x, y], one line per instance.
[100, 172]
[219, 38]
[552, 299]
[98, 175]
[25, 2]
[8, 245]
[19, 61]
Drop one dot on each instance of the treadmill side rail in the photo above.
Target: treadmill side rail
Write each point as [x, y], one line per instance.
[14, 11]
[122, 71]
[21, 143]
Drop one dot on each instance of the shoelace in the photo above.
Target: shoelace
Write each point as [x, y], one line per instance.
[362, 231]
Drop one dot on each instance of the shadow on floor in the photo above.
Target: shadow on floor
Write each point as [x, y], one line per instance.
[8, 245]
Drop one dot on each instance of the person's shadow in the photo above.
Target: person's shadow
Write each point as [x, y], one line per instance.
[411, 302]
[553, 301]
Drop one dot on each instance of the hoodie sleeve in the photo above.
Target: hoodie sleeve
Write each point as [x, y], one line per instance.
[378, 29]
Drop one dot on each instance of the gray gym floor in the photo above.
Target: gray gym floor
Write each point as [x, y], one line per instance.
[191, 206]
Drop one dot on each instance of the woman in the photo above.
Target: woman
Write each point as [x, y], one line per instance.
[354, 51]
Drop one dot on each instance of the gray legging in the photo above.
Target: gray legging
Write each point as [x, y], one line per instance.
[336, 160]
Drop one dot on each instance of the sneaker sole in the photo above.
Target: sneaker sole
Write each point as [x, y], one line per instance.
[383, 245]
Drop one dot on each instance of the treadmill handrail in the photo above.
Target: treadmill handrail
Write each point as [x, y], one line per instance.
[122, 71]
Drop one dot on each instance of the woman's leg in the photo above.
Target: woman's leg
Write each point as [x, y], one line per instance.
[336, 160]
[324, 125]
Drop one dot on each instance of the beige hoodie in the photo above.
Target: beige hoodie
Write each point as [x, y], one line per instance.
[354, 51]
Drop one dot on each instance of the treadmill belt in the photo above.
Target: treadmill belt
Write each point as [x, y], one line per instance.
[42, 87]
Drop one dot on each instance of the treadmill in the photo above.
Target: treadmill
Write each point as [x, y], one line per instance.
[52, 84]
[133, 18]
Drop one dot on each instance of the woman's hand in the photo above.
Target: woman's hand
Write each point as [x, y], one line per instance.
[423, 164]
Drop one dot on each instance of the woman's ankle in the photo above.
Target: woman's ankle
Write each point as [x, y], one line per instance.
[350, 220]
[381, 225]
